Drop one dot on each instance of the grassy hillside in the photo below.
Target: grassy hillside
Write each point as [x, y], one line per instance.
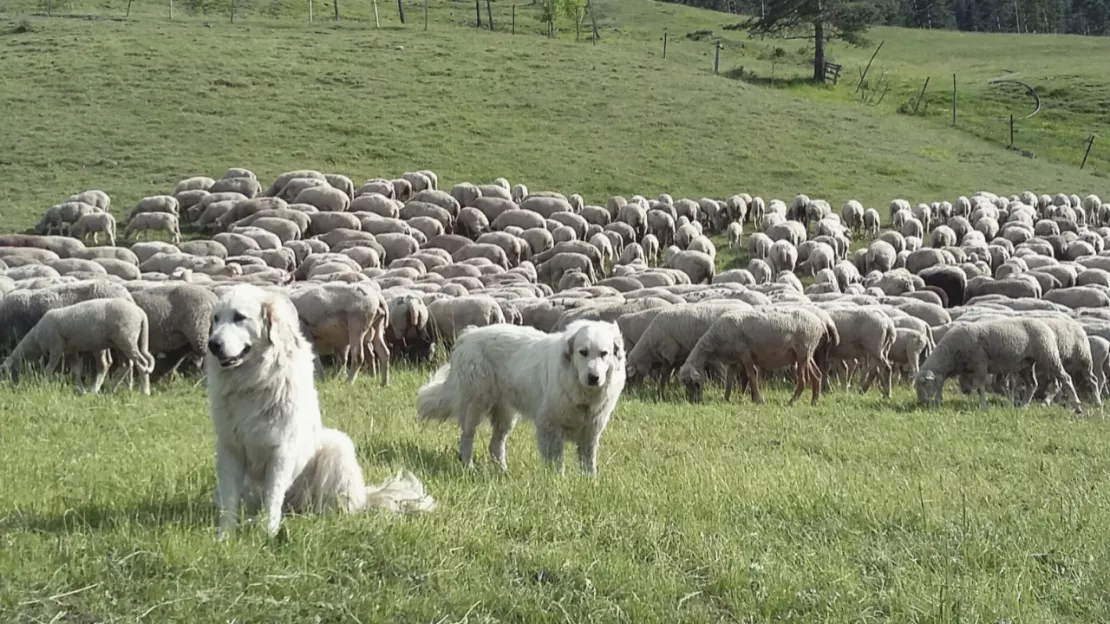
[859, 510]
[133, 106]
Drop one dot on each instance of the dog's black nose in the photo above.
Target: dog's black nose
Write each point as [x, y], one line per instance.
[592, 379]
[214, 347]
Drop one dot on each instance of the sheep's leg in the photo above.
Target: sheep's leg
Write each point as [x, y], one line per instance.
[356, 338]
[815, 381]
[868, 377]
[730, 381]
[800, 379]
[888, 376]
[503, 421]
[78, 370]
[100, 360]
[1069, 392]
[753, 381]
[54, 362]
[381, 355]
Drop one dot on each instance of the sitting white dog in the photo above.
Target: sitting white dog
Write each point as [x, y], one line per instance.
[271, 446]
[566, 383]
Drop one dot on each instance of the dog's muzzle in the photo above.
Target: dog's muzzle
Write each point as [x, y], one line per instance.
[216, 349]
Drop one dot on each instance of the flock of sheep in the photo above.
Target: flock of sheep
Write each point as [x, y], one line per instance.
[1008, 294]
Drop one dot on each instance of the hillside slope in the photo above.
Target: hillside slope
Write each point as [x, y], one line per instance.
[133, 106]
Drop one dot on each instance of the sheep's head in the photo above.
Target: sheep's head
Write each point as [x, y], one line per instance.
[694, 380]
[928, 385]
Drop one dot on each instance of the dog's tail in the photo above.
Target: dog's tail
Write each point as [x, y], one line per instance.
[401, 493]
[433, 400]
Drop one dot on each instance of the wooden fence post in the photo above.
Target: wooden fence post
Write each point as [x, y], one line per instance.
[335, 3]
[717, 57]
[478, 12]
[953, 100]
[514, 19]
[401, 11]
[1090, 142]
[1011, 130]
[309, 9]
[489, 15]
[920, 95]
[425, 14]
[868, 68]
[664, 44]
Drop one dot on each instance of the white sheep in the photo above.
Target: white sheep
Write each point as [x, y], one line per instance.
[154, 221]
[735, 232]
[95, 327]
[95, 224]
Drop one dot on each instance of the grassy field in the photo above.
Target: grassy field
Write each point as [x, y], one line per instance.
[858, 510]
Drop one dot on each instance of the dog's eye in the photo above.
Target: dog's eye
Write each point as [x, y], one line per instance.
[604, 354]
[584, 352]
[238, 318]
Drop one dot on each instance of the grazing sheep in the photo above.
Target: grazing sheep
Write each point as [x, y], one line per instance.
[767, 339]
[696, 264]
[95, 224]
[449, 317]
[1018, 346]
[179, 317]
[668, 340]
[94, 327]
[735, 232]
[346, 319]
[154, 204]
[154, 222]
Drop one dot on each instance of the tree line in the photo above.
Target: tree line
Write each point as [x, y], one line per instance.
[1080, 17]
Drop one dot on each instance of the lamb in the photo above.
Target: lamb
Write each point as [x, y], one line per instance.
[90, 327]
[21, 310]
[767, 338]
[346, 318]
[96, 223]
[1010, 346]
[735, 232]
[154, 221]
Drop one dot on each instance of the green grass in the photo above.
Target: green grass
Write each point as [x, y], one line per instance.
[858, 510]
[855, 510]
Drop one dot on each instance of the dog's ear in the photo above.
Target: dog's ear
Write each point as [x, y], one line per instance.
[280, 323]
[568, 347]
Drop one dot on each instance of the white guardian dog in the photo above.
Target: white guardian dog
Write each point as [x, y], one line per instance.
[566, 383]
[271, 447]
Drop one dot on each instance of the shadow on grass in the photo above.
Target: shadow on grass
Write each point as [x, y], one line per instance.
[419, 459]
[177, 511]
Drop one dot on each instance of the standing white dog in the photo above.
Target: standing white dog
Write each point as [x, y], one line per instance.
[566, 383]
[271, 446]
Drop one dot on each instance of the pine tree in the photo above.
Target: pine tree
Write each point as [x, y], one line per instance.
[820, 20]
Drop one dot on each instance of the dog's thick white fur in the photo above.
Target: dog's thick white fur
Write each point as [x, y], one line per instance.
[566, 383]
[271, 446]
